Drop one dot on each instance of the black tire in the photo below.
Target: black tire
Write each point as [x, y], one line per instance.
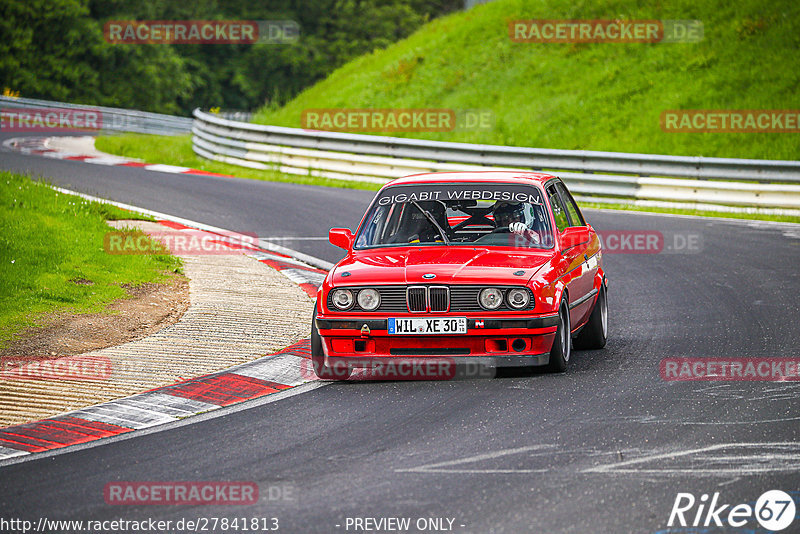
[562, 345]
[594, 333]
[325, 372]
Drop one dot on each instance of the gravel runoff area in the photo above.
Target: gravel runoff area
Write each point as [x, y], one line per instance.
[240, 310]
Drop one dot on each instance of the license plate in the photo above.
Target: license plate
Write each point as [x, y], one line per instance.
[428, 325]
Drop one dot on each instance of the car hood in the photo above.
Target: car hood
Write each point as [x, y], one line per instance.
[451, 265]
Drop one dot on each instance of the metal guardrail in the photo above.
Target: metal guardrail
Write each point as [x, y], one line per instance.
[112, 119]
[706, 183]
[243, 116]
[724, 184]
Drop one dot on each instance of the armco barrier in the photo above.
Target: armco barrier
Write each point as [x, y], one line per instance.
[705, 183]
[113, 119]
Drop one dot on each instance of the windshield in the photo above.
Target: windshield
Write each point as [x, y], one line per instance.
[483, 214]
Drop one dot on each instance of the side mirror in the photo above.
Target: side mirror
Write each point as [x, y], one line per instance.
[574, 236]
[341, 237]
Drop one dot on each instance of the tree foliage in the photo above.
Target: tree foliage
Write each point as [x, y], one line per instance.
[55, 49]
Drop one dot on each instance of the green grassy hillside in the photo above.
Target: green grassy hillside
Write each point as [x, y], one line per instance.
[52, 257]
[599, 96]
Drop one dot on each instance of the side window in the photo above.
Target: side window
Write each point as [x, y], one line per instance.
[393, 221]
[394, 224]
[572, 208]
[559, 214]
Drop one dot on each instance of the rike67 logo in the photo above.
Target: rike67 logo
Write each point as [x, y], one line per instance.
[774, 510]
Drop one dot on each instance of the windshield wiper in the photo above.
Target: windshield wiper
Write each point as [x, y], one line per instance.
[430, 217]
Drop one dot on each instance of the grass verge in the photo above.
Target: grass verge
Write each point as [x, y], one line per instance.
[52, 257]
[585, 96]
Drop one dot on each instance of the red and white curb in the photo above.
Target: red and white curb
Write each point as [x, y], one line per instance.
[268, 375]
[39, 146]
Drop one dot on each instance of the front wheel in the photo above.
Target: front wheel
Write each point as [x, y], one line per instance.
[562, 345]
[324, 371]
[594, 333]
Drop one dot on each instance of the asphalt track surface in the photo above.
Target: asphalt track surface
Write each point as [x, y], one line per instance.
[605, 447]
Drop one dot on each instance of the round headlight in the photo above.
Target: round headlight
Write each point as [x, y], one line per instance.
[518, 298]
[490, 298]
[369, 299]
[342, 298]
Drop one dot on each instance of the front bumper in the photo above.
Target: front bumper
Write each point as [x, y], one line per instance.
[517, 341]
[483, 361]
[515, 323]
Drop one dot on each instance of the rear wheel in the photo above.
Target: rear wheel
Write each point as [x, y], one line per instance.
[594, 333]
[339, 371]
[562, 345]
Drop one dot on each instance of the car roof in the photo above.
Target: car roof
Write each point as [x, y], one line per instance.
[520, 177]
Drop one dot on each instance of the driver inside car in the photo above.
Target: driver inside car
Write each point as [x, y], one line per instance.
[512, 216]
[422, 229]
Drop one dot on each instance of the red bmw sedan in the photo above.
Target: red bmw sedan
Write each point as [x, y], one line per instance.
[494, 268]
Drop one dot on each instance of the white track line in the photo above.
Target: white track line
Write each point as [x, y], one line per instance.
[305, 258]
